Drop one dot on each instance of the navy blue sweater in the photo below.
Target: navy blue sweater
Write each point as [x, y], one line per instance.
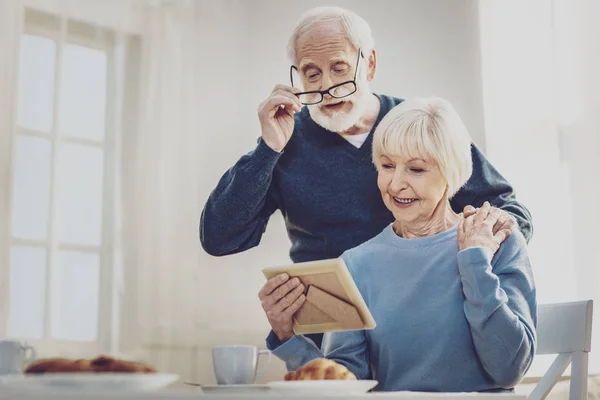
[327, 192]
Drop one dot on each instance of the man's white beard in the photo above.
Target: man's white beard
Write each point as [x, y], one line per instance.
[342, 121]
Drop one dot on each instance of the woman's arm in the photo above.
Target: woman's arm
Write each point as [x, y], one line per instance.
[348, 348]
[500, 306]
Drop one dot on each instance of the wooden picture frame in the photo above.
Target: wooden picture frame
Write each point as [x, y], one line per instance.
[333, 301]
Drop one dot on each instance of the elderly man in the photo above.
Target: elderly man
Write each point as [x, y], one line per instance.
[313, 163]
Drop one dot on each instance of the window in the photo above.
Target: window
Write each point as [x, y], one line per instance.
[63, 184]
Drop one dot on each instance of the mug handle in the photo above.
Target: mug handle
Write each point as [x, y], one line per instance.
[32, 353]
[265, 366]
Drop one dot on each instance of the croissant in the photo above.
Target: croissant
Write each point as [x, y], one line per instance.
[320, 369]
[98, 364]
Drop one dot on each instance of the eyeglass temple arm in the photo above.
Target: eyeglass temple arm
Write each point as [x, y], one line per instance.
[360, 54]
[292, 75]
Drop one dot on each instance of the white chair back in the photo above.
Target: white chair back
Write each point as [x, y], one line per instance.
[564, 329]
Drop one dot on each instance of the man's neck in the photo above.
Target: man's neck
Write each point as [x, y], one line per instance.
[367, 120]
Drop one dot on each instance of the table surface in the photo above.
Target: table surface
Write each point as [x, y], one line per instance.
[187, 394]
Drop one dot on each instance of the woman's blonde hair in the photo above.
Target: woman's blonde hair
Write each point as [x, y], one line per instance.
[431, 129]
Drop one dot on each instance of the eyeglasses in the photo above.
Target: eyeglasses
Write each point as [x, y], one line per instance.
[338, 91]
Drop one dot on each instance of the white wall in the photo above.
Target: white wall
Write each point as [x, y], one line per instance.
[230, 130]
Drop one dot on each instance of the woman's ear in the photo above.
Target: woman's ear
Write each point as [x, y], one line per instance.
[372, 65]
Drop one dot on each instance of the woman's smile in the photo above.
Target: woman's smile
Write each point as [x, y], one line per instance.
[404, 202]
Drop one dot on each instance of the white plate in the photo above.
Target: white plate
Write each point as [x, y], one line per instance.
[89, 382]
[327, 387]
[234, 389]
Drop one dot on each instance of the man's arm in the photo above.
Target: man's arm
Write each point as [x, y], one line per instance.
[237, 211]
[486, 184]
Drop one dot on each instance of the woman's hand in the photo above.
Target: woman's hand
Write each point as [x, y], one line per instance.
[281, 297]
[477, 230]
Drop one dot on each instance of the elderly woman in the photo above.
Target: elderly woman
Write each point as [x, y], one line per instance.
[455, 304]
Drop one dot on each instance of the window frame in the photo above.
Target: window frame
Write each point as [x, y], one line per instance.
[112, 43]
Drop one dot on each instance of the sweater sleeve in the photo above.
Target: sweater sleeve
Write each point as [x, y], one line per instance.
[501, 308]
[486, 184]
[236, 213]
[295, 352]
[348, 348]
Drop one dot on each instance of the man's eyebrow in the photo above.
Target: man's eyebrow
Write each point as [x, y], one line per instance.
[338, 60]
[306, 65]
[311, 64]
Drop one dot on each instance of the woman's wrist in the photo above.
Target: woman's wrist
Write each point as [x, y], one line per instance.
[284, 336]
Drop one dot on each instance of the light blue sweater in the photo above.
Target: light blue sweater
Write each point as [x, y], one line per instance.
[446, 320]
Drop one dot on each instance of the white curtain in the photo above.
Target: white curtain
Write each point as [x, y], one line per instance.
[581, 143]
[161, 204]
[541, 107]
[11, 19]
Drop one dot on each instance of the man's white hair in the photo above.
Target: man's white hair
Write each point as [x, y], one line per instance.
[427, 128]
[356, 28]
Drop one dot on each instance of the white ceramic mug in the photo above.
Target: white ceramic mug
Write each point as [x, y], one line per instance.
[14, 357]
[237, 364]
